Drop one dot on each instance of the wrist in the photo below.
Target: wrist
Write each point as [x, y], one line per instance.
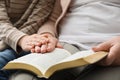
[21, 40]
[48, 34]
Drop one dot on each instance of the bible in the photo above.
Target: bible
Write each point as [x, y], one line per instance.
[44, 65]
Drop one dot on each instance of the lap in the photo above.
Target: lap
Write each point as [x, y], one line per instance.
[24, 75]
[99, 73]
[8, 55]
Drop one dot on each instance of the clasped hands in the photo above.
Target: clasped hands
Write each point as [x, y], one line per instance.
[39, 43]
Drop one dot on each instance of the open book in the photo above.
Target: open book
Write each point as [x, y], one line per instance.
[44, 65]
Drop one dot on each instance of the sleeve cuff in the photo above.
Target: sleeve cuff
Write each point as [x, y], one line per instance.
[14, 38]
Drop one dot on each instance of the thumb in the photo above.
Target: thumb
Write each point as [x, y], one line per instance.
[58, 45]
[102, 47]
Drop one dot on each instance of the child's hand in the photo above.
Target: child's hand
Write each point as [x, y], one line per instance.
[47, 45]
[113, 47]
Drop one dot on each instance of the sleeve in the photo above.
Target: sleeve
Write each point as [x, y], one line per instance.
[38, 16]
[11, 35]
[49, 25]
[8, 33]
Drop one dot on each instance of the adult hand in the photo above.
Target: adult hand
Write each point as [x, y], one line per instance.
[51, 44]
[113, 47]
[29, 41]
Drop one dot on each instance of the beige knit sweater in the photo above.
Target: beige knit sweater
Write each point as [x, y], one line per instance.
[21, 17]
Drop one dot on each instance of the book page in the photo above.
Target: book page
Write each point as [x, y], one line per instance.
[78, 59]
[43, 61]
[70, 61]
[78, 55]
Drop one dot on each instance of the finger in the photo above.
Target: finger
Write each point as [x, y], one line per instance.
[32, 43]
[28, 47]
[50, 47]
[33, 50]
[111, 57]
[35, 43]
[40, 40]
[113, 54]
[59, 45]
[102, 47]
[45, 41]
[38, 44]
[37, 49]
[51, 44]
[44, 48]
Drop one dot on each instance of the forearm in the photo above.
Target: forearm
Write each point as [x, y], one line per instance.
[37, 18]
[8, 33]
[49, 26]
